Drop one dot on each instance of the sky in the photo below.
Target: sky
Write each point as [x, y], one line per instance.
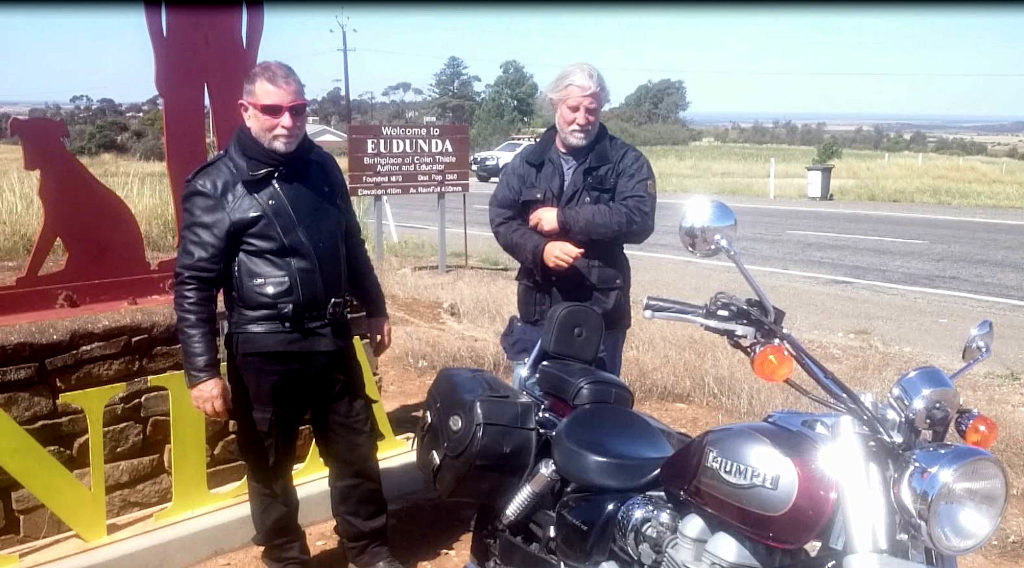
[869, 59]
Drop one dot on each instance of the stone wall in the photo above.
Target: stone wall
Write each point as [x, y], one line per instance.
[41, 360]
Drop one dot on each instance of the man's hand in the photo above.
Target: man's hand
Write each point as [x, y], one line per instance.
[559, 255]
[380, 335]
[545, 221]
[212, 398]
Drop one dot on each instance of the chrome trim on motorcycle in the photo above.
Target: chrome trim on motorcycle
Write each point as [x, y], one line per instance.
[953, 496]
[875, 560]
[644, 525]
[530, 492]
[926, 398]
[738, 330]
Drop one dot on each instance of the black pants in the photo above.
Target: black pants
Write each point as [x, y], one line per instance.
[271, 394]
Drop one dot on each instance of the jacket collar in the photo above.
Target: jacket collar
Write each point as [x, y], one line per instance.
[600, 153]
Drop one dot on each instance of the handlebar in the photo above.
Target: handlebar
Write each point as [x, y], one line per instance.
[665, 305]
[675, 310]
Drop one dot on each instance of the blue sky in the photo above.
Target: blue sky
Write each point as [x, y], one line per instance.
[870, 59]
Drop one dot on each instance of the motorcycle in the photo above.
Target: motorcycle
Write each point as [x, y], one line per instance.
[566, 473]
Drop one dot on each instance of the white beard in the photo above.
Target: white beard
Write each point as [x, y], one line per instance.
[573, 138]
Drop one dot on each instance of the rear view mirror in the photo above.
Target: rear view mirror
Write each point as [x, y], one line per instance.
[979, 342]
[706, 221]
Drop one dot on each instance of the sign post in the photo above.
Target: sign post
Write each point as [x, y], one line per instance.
[442, 244]
[378, 228]
[409, 159]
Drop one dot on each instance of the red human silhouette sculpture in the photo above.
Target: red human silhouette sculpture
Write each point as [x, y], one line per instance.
[197, 46]
[96, 227]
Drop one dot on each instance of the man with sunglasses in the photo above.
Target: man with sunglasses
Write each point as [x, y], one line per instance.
[269, 221]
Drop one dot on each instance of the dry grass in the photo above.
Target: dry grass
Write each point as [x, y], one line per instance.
[739, 169]
[142, 185]
[662, 361]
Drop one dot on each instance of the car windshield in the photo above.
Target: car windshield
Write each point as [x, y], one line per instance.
[508, 147]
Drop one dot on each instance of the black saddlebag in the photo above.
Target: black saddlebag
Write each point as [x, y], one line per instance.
[477, 436]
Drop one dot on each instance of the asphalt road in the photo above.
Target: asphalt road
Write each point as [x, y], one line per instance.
[951, 251]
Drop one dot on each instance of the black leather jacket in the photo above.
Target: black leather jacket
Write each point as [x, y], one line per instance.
[243, 237]
[609, 201]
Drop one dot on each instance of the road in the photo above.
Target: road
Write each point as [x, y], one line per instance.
[959, 252]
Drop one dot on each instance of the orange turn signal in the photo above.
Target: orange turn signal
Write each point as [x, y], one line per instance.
[772, 363]
[977, 430]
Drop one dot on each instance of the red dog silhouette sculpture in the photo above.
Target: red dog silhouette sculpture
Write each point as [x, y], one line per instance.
[196, 46]
[98, 230]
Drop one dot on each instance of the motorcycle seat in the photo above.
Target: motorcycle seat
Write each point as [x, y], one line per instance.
[579, 384]
[609, 447]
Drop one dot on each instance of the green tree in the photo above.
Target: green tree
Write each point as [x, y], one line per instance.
[453, 96]
[507, 106]
[396, 97]
[828, 151]
[655, 103]
[331, 107]
[918, 141]
[4, 119]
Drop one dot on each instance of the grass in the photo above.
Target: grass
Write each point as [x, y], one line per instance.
[740, 169]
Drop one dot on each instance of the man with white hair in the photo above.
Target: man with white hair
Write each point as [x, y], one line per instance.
[565, 207]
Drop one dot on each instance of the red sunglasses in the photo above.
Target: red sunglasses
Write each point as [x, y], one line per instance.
[296, 109]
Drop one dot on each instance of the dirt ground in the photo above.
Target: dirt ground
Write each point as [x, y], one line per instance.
[435, 534]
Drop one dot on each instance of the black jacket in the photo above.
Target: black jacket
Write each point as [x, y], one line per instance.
[243, 237]
[609, 201]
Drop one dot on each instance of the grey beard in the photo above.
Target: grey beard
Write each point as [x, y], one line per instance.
[278, 146]
[576, 139]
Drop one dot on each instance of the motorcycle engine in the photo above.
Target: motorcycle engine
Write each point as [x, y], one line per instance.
[644, 526]
[653, 534]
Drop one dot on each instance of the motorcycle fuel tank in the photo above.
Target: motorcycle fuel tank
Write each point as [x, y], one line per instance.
[762, 478]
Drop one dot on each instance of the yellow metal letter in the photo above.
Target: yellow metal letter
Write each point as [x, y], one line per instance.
[189, 492]
[84, 510]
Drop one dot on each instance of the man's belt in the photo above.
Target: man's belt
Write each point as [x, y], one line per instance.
[333, 313]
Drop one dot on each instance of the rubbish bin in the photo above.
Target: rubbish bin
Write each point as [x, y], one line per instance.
[818, 179]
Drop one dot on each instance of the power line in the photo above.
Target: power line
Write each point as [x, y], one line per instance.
[731, 71]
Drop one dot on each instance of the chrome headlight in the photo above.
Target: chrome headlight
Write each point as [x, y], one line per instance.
[954, 495]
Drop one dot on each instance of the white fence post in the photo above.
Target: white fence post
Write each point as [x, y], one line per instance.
[771, 180]
[1004, 168]
[887, 158]
[919, 156]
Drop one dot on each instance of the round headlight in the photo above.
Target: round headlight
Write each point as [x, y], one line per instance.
[955, 495]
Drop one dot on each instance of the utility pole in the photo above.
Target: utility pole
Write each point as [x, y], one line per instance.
[344, 50]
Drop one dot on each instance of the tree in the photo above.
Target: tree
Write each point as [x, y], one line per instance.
[4, 119]
[396, 95]
[507, 106]
[655, 103]
[828, 150]
[454, 97]
[918, 141]
[331, 107]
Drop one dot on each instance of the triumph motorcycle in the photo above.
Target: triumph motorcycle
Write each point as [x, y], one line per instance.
[566, 474]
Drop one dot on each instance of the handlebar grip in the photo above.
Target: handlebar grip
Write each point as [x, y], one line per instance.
[666, 305]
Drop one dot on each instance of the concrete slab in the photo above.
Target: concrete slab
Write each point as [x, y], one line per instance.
[187, 542]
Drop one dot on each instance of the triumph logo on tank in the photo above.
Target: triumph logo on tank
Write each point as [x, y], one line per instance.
[739, 474]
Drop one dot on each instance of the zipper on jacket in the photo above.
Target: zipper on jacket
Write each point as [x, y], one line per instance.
[302, 236]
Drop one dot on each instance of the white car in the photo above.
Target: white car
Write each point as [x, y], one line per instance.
[489, 164]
